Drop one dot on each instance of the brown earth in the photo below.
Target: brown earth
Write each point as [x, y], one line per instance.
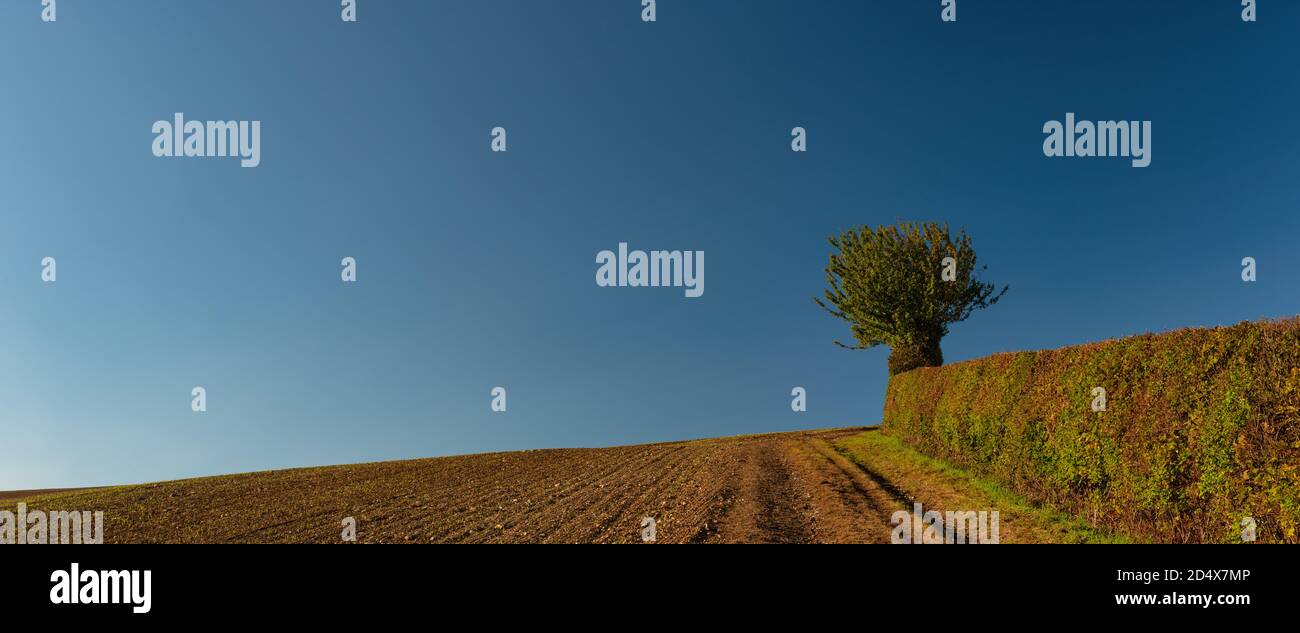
[779, 488]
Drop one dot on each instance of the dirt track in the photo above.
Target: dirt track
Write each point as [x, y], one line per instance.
[781, 488]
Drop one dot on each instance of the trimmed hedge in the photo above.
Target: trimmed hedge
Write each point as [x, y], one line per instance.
[1201, 429]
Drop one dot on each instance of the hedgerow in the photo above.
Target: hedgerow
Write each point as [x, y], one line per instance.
[1201, 429]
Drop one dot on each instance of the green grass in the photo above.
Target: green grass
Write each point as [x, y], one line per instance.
[940, 485]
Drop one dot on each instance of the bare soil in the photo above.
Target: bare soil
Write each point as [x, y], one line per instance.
[777, 488]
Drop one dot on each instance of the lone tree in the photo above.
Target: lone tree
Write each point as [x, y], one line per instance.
[901, 286]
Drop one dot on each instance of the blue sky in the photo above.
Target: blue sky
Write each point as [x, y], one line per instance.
[476, 269]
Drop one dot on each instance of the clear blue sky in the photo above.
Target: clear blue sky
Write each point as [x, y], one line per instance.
[477, 269]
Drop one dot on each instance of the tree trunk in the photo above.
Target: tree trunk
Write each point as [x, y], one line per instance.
[907, 356]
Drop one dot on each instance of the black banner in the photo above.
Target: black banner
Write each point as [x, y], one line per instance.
[1102, 583]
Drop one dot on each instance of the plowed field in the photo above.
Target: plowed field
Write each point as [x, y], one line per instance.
[834, 486]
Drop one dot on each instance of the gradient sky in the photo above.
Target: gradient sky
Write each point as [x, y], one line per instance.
[477, 269]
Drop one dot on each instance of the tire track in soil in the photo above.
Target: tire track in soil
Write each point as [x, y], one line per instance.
[854, 507]
[797, 489]
[783, 517]
[768, 507]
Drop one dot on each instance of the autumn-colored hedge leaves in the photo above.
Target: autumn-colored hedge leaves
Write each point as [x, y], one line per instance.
[1201, 429]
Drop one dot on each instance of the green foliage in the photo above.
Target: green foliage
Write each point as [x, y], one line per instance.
[1201, 429]
[886, 283]
[875, 452]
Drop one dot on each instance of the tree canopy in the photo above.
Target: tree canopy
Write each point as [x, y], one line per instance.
[901, 286]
